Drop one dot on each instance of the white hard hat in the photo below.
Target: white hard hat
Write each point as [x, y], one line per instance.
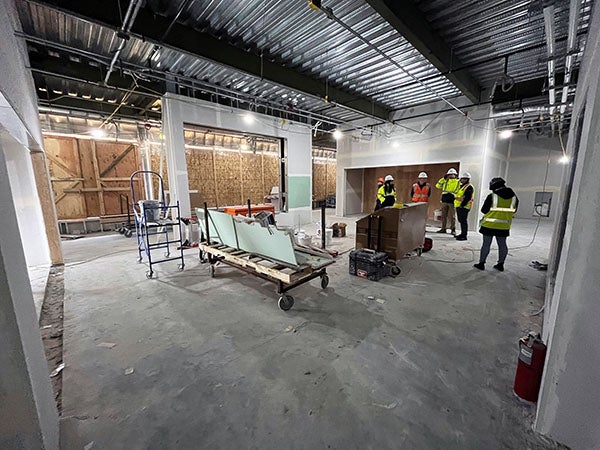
[465, 175]
[389, 178]
[422, 175]
[452, 171]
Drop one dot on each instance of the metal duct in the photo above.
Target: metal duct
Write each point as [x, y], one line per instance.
[130, 15]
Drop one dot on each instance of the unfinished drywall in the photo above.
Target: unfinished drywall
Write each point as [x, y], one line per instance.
[534, 166]
[178, 110]
[438, 137]
[569, 398]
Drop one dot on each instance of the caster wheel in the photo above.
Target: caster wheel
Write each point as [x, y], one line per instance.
[286, 302]
[128, 233]
[149, 274]
[139, 260]
[324, 281]
[203, 260]
[212, 271]
[180, 267]
[420, 251]
[121, 230]
[396, 270]
[167, 254]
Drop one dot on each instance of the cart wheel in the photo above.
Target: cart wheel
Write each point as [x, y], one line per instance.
[180, 267]
[395, 270]
[149, 274]
[212, 271]
[324, 281]
[121, 230]
[286, 302]
[139, 259]
[128, 233]
[420, 251]
[203, 259]
[167, 254]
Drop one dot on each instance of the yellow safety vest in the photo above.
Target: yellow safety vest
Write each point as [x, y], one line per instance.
[460, 196]
[449, 186]
[500, 214]
[381, 195]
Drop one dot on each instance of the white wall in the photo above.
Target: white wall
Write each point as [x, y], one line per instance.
[527, 169]
[178, 110]
[436, 138]
[569, 398]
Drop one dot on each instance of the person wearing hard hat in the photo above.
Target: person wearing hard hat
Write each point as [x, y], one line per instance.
[386, 195]
[380, 182]
[463, 200]
[421, 189]
[498, 211]
[449, 185]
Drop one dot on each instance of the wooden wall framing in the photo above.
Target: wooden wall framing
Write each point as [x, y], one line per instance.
[90, 178]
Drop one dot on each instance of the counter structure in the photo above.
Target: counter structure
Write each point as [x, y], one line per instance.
[396, 231]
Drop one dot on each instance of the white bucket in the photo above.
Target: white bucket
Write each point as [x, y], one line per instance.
[437, 215]
[304, 239]
[328, 235]
[150, 210]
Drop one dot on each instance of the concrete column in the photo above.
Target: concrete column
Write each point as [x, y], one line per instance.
[175, 152]
[28, 417]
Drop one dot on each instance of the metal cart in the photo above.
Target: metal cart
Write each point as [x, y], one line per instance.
[153, 218]
[311, 265]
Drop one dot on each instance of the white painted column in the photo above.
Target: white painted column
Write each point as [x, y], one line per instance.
[175, 151]
[28, 417]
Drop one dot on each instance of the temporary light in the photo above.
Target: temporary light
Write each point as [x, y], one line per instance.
[98, 132]
[337, 135]
[564, 159]
[505, 134]
[248, 118]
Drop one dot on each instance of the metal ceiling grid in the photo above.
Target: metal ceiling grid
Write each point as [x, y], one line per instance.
[291, 33]
[481, 32]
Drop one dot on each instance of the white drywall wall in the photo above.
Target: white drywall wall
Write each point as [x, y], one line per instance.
[527, 166]
[178, 110]
[436, 138]
[569, 397]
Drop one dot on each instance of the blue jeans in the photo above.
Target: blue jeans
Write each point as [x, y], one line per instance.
[487, 243]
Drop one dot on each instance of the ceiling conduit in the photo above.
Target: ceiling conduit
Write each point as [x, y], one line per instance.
[571, 53]
[549, 26]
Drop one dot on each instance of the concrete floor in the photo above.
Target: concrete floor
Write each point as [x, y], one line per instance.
[427, 363]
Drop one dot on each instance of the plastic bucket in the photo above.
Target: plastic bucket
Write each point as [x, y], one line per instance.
[150, 210]
[437, 215]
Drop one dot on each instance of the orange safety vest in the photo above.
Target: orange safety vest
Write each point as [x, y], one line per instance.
[420, 194]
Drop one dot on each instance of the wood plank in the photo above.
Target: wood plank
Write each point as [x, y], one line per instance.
[64, 193]
[98, 183]
[117, 160]
[70, 179]
[60, 164]
[42, 182]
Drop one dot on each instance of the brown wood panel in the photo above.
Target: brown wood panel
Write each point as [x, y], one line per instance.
[42, 181]
[63, 165]
[85, 154]
[404, 177]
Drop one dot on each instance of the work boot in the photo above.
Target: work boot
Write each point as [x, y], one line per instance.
[480, 266]
[499, 267]
[460, 237]
[441, 230]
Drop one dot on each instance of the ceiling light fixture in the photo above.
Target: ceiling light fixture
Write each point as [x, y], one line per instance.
[337, 135]
[505, 134]
[98, 133]
[248, 118]
[564, 159]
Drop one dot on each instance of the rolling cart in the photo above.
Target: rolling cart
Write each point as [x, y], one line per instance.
[126, 228]
[153, 218]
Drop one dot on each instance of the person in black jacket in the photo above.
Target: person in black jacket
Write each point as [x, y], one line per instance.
[498, 210]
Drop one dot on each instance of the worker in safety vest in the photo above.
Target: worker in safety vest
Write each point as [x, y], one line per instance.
[421, 189]
[498, 211]
[387, 193]
[380, 182]
[463, 200]
[449, 185]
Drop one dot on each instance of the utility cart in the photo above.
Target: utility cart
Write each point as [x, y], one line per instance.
[153, 219]
[260, 250]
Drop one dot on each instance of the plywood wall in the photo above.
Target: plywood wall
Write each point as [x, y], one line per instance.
[89, 176]
[324, 177]
[226, 177]
[404, 177]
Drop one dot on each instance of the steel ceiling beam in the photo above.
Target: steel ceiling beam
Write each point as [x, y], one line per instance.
[151, 27]
[406, 18]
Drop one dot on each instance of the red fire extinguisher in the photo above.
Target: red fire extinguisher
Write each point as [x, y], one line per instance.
[532, 354]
